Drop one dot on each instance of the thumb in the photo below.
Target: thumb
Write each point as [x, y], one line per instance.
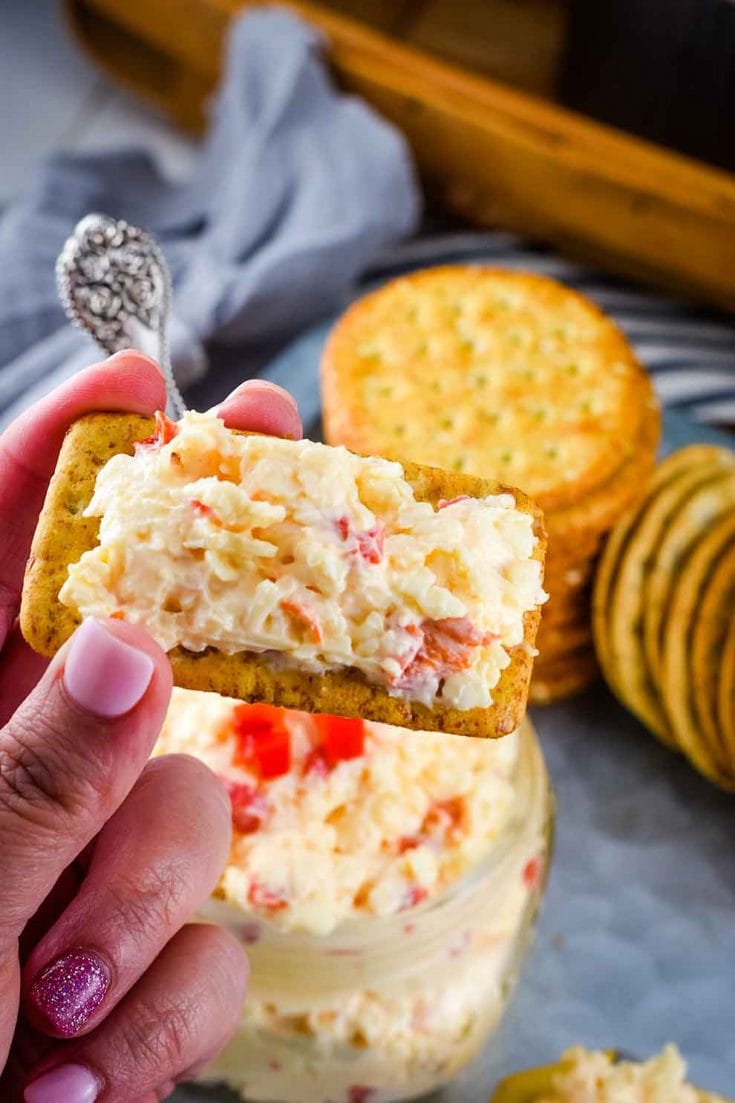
[71, 753]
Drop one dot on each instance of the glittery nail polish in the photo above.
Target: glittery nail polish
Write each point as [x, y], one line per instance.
[70, 989]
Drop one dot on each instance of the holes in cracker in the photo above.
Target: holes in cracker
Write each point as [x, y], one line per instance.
[480, 380]
[369, 351]
[572, 369]
[446, 422]
[460, 463]
[399, 430]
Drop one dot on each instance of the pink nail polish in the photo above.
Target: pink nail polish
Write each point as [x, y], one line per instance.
[65, 1084]
[264, 386]
[70, 989]
[104, 675]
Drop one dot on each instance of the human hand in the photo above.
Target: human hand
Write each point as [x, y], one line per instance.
[106, 993]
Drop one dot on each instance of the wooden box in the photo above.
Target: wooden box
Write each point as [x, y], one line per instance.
[496, 155]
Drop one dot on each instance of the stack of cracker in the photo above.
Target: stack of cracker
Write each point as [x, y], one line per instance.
[511, 376]
[664, 609]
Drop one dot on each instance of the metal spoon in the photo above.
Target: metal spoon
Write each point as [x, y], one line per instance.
[114, 282]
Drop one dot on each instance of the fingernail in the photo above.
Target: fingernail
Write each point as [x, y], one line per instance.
[70, 989]
[104, 675]
[251, 386]
[65, 1084]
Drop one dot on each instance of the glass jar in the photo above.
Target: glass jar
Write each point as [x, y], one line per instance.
[389, 1008]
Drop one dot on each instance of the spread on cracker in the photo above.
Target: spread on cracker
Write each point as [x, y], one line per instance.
[590, 1076]
[310, 559]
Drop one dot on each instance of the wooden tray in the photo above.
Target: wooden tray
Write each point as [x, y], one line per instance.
[494, 155]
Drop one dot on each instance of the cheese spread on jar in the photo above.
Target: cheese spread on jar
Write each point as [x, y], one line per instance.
[311, 556]
[384, 882]
[593, 1077]
[336, 819]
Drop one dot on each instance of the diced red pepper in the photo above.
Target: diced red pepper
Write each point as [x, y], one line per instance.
[212, 516]
[415, 895]
[316, 764]
[165, 432]
[249, 807]
[532, 872]
[263, 740]
[261, 896]
[451, 501]
[305, 617]
[206, 511]
[369, 544]
[408, 842]
[359, 1094]
[342, 738]
[343, 527]
[446, 647]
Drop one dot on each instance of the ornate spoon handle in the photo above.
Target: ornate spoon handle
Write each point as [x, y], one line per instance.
[114, 282]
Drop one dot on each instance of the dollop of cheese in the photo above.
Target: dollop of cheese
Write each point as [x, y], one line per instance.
[594, 1077]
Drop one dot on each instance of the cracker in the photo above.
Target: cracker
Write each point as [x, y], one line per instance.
[563, 677]
[533, 1085]
[676, 672]
[490, 371]
[622, 599]
[705, 500]
[579, 530]
[63, 535]
[726, 695]
[607, 565]
[554, 642]
[711, 623]
[566, 611]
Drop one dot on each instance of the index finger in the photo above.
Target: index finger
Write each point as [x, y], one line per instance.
[29, 448]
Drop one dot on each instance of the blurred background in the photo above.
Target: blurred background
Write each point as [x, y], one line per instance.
[662, 69]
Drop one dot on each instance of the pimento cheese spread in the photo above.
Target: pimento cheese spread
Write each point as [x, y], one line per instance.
[384, 883]
[342, 828]
[595, 1078]
[311, 556]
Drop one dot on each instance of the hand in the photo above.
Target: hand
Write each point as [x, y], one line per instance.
[105, 992]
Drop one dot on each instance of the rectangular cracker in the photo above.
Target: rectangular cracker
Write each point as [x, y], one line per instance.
[64, 534]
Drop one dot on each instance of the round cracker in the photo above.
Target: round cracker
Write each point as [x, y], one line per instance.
[703, 502]
[709, 632]
[580, 530]
[606, 569]
[621, 592]
[563, 612]
[563, 678]
[676, 674]
[726, 696]
[556, 643]
[502, 372]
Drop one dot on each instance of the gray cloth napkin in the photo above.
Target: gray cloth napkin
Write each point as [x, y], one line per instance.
[296, 189]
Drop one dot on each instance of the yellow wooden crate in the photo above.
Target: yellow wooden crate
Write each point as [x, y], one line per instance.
[493, 154]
